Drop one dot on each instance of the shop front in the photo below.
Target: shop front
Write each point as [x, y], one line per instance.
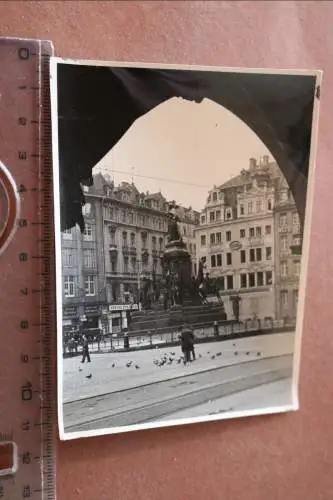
[70, 322]
[119, 317]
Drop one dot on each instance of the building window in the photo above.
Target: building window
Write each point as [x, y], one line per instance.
[269, 278]
[284, 298]
[124, 238]
[241, 209]
[203, 240]
[89, 285]
[86, 209]
[218, 214]
[213, 260]
[153, 242]
[89, 258]
[250, 207]
[125, 264]
[112, 237]
[258, 231]
[284, 269]
[268, 229]
[252, 255]
[228, 214]
[113, 266]
[258, 254]
[251, 232]
[242, 233]
[284, 243]
[252, 280]
[67, 257]
[297, 241]
[161, 243]
[230, 282]
[69, 286]
[259, 205]
[228, 235]
[242, 256]
[268, 253]
[260, 279]
[229, 259]
[219, 260]
[284, 195]
[243, 281]
[212, 239]
[295, 219]
[123, 215]
[144, 240]
[214, 196]
[211, 216]
[297, 267]
[283, 220]
[67, 234]
[295, 294]
[203, 219]
[222, 283]
[218, 238]
[269, 205]
[108, 213]
[88, 232]
[133, 239]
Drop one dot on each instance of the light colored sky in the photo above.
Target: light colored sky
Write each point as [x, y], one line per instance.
[189, 147]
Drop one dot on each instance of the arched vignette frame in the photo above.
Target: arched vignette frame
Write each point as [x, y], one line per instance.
[12, 198]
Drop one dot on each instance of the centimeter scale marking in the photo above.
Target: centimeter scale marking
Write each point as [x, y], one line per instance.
[27, 298]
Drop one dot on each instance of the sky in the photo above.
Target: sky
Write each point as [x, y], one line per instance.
[183, 149]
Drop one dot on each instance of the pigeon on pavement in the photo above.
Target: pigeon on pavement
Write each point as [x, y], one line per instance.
[89, 376]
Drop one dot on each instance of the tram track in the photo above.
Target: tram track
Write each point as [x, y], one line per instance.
[156, 400]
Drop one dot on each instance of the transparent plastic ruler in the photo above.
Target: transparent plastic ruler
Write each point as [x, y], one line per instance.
[28, 352]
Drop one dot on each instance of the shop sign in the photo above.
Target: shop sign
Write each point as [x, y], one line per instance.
[69, 311]
[91, 309]
[66, 322]
[235, 245]
[123, 307]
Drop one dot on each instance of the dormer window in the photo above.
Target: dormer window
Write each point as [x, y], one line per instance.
[228, 214]
[214, 196]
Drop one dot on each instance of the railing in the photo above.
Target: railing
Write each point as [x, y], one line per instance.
[169, 336]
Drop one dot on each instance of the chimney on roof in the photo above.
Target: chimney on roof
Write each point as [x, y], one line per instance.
[265, 159]
[253, 163]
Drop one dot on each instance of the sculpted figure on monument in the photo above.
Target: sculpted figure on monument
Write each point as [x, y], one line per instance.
[173, 229]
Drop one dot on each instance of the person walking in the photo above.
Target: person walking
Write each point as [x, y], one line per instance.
[85, 349]
[187, 344]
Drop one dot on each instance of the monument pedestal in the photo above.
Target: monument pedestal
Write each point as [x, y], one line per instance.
[179, 301]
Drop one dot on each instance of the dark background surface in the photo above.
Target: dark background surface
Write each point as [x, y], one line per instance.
[279, 457]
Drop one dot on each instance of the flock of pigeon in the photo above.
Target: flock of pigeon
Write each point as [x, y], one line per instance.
[169, 358]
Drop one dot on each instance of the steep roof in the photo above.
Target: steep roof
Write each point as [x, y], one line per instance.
[245, 176]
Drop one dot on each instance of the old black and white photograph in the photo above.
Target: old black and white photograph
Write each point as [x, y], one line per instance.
[182, 199]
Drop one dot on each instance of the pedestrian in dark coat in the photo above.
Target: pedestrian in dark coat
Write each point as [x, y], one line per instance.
[187, 343]
[85, 349]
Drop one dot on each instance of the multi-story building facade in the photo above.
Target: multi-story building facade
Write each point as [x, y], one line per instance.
[84, 298]
[236, 239]
[288, 249]
[106, 269]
